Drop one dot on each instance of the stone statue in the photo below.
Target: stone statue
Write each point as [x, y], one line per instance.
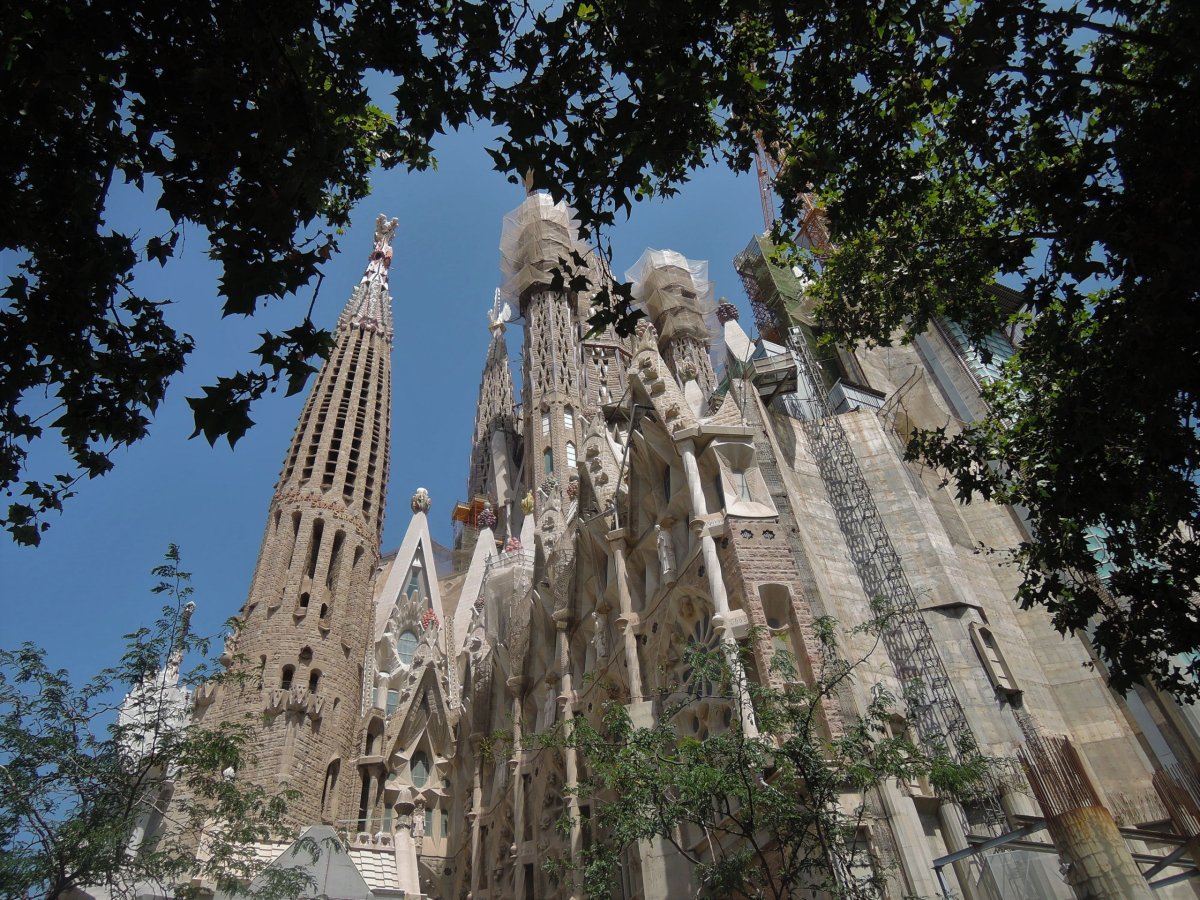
[387, 660]
[421, 501]
[600, 635]
[666, 552]
[418, 822]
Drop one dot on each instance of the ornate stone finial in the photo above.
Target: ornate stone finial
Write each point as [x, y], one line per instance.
[420, 501]
[500, 314]
[381, 250]
[647, 335]
[487, 517]
[385, 230]
[727, 312]
[527, 503]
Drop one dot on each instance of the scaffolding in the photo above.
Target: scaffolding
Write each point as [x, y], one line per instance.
[933, 707]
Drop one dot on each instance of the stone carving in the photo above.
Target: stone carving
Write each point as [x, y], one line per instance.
[527, 503]
[600, 635]
[421, 501]
[487, 516]
[666, 553]
[418, 826]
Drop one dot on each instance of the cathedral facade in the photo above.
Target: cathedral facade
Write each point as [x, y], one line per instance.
[686, 484]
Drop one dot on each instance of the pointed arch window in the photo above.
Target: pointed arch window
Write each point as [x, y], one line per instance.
[545, 423]
[548, 461]
[285, 679]
[420, 769]
[329, 791]
[570, 455]
[406, 647]
[568, 417]
[994, 663]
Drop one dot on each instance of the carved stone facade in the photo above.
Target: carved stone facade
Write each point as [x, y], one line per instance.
[635, 503]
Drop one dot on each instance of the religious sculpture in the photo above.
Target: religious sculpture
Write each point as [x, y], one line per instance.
[666, 552]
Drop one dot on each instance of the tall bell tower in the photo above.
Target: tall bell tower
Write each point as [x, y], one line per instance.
[307, 624]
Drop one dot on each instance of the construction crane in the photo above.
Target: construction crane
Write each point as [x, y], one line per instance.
[812, 232]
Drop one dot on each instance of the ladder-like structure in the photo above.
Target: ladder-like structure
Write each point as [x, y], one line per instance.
[933, 708]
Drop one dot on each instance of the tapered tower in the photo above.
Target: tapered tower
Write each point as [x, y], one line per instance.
[493, 470]
[538, 237]
[307, 624]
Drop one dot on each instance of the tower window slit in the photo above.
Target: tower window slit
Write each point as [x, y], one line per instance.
[315, 548]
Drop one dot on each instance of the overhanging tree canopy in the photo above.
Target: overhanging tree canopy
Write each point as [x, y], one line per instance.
[1051, 144]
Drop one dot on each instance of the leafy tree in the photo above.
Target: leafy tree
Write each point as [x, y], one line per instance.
[84, 779]
[248, 120]
[771, 815]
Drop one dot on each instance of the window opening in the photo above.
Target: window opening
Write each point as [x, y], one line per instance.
[742, 484]
[570, 455]
[420, 768]
[406, 647]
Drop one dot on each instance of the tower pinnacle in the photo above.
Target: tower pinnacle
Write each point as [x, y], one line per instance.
[370, 305]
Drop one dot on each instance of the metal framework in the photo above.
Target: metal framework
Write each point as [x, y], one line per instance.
[933, 707]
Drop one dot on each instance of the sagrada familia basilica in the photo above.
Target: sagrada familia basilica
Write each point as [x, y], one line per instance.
[689, 484]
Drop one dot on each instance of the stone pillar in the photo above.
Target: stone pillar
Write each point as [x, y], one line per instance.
[476, 813]
[626, 621]
[716, 584]
[407, 875]
[570, 758]
[516, 763]
[1099, 865]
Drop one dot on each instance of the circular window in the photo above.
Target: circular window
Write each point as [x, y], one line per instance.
[406, 646]
[420, 769]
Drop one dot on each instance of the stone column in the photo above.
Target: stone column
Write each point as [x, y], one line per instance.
[407, 875]
[570, 758]
[516, 763]
[626, 621]
[1099, 865]
[476, 813]
[716, 584]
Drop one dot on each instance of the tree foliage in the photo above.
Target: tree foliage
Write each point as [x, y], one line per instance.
[776, 814]
[1047, 143]
[80, 773]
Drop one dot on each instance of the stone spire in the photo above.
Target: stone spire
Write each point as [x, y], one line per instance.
[495, 416]
[537, 236]
[370, 305]
[307, 624]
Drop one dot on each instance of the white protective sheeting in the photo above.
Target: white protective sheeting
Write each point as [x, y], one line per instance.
[534, 238]
[677, 295]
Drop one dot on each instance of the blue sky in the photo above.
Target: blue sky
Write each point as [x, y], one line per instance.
[88, 583]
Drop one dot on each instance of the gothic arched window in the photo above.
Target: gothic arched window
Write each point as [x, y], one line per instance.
[568, 417]
[285, 680]
[548, 461]
[406, 647]
[545, 423]
[420, 769]
[570, 455]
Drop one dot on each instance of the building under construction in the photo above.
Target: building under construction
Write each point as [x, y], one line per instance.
[698, 482]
